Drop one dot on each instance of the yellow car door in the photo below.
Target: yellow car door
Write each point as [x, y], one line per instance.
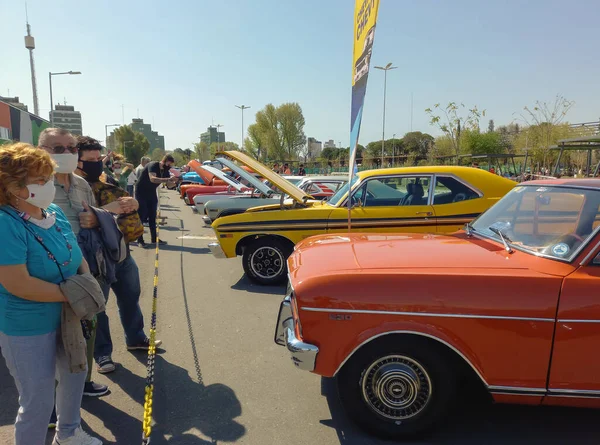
[391, 203]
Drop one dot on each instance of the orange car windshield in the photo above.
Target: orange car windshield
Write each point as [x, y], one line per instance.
[548, 220]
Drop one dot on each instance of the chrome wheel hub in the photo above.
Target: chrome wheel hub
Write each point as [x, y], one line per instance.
[266, 262]
[396, 387]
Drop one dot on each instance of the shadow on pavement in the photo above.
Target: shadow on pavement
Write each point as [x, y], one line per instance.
[175, 248]
[475, 420]
[8, 395]
[180, 405]
[244, 284]
[173, 229]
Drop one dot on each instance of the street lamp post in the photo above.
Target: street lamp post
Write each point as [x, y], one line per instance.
[106, 132]
[50, 74]
[242, 107]
[385, 69]
[394, 150]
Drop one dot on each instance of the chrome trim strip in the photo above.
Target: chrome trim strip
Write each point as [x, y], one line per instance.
[590, 255]
[590, 392]
[427, 314]
[575, 320]
[517, 390]
[413, 333]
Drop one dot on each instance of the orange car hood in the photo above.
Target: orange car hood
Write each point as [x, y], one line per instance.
[358, 252]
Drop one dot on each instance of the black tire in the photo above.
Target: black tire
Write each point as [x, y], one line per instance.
[415, 384]
[265, 261]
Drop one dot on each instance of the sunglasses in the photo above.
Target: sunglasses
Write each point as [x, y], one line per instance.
[59, 149]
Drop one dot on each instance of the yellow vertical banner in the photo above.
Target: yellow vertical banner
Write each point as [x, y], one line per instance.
[365, 19]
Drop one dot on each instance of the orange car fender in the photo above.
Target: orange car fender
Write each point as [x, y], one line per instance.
[405, 327]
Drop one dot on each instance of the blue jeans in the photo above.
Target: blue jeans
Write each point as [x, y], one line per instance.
[36, 362]
[127, 290]
[130, 190]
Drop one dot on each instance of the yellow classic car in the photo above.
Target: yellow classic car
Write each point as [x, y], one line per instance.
[408, 199]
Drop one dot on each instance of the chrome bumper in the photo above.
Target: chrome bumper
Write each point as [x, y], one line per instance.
[206, 220]
[304, 355]
[216, 250]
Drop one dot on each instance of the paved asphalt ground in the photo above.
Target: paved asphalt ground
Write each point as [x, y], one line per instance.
[221, 379]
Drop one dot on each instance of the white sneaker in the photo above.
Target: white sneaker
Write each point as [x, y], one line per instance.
[79, 438]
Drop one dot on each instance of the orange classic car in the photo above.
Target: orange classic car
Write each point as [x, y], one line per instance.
[512, 302]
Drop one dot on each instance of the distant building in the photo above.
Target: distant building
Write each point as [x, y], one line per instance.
[314, 148]
[16, 124]
[65, 116]
[15, 102]
[156, 140]
[211, 135]
[329, 144]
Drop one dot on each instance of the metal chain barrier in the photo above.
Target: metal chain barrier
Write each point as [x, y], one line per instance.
[149, 391]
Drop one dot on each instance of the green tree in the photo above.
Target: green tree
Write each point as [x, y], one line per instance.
[254, 143]
[476, 142]
[452, 122]
[202, 151]
[131, 144]
[279, 130]
[544, 120]
[291, 121]
[442, 148]
[417, 143]
[157, 154]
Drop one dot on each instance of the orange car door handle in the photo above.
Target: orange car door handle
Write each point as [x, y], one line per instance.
[425, 213]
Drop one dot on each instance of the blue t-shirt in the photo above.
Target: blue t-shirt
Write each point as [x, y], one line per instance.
[24, 317]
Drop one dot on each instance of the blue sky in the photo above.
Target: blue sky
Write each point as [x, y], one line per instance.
[186, 63]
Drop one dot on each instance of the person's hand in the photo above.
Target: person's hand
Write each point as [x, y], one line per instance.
[113, 207]
[128, 204]
[87, 218]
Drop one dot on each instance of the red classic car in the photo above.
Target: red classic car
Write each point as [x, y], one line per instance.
[511, 302]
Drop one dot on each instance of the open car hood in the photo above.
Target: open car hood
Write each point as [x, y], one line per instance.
[255, 182]
[222, 176]
[287, 187]
[205, 175]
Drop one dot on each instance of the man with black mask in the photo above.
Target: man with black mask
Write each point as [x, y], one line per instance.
[154, 174]
[127, 288]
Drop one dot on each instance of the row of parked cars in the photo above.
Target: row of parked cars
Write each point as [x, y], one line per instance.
[409, 283]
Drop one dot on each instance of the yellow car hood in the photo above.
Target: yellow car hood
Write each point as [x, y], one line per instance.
[287, 187]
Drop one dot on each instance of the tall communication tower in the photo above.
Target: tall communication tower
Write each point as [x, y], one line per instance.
[30, 45]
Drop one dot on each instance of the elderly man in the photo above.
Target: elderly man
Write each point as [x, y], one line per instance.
[72, 192]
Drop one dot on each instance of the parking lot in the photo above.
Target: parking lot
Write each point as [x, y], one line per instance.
[221, 379]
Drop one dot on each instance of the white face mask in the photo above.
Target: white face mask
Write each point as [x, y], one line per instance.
[41, 196]
[65, 162]
[117, 171]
